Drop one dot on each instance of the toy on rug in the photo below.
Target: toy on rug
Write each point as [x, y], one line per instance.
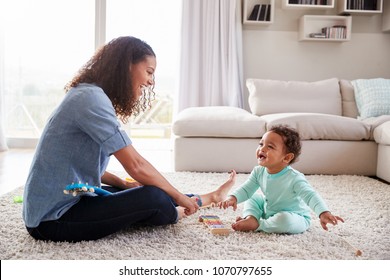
[18, 199]
[215, 224]
[76, 189]
[357, 251]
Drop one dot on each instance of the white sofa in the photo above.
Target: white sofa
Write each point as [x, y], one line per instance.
[335, 137]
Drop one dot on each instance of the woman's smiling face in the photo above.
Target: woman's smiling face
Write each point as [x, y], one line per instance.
[142, 75]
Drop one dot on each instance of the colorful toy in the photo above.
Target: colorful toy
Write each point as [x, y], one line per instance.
[18, 199]
[215, 224]
[76, 189]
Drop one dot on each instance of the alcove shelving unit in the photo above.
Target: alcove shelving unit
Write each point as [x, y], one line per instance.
[338, 28]
[317, 26]
[258, 12]
[314, 4]
[360, 7]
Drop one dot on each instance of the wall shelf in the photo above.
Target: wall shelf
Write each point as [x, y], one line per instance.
[312, 25]
[356, 7]
[258, 12]
[319, 24]
[291, 4]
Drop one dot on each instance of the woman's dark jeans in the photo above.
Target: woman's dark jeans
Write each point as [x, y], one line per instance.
[94, 217]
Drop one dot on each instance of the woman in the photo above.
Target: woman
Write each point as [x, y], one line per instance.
[77, 142]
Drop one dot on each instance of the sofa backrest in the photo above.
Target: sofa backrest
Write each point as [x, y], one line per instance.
[348, 99]
[274, 96]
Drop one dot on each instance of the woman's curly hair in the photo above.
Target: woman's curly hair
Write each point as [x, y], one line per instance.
[291, 139]
[109, 69]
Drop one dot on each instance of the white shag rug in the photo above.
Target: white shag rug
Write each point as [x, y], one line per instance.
[363, 202]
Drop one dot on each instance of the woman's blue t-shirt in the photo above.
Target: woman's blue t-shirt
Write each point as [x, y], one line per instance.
[75, 146]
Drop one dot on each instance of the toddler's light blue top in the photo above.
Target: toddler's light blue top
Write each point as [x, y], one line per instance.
[75, 145]
[287, 191]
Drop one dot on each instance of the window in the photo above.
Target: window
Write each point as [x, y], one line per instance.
[43, 43]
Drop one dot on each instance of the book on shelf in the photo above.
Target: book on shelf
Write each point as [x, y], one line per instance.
[254, 13]
[308, 2]
[268, 13]
[260, 12]
[335, 32]
[263, 9]
[317, 35]
[370, 5]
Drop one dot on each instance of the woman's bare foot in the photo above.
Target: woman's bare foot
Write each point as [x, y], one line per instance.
[180, 212]
[221, 193]
[248, 223]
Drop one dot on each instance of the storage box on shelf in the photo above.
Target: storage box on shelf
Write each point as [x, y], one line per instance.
[366, 7]
[325, 28]
[315, 4]
[258, 12]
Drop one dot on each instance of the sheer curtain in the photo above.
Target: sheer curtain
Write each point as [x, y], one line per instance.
[3, 143]
[211, 54]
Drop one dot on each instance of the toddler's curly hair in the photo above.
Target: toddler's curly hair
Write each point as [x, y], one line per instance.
[291, 139]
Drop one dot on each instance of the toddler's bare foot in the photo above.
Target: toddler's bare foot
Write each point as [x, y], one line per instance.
[221, 193]
[249, 223]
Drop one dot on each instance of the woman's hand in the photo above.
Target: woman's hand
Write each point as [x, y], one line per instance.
[327, 218]
[190, 205]
[113, 180]
[231, 201]
[128, 184]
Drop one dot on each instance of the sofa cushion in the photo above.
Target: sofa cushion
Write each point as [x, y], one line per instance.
[218, 121]
[382, 134]
[348, 99]
[372, 97]
[272, 96]
[312, 126]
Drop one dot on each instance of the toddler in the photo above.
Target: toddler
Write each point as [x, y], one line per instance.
[283, 204]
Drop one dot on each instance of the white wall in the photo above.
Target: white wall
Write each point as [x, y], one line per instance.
[274, 52]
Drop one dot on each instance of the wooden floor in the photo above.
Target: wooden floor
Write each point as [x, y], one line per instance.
[15, 163]
[14, 166]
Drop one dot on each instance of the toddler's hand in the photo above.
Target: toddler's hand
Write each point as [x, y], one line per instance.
[231, 201]
[328, 218]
